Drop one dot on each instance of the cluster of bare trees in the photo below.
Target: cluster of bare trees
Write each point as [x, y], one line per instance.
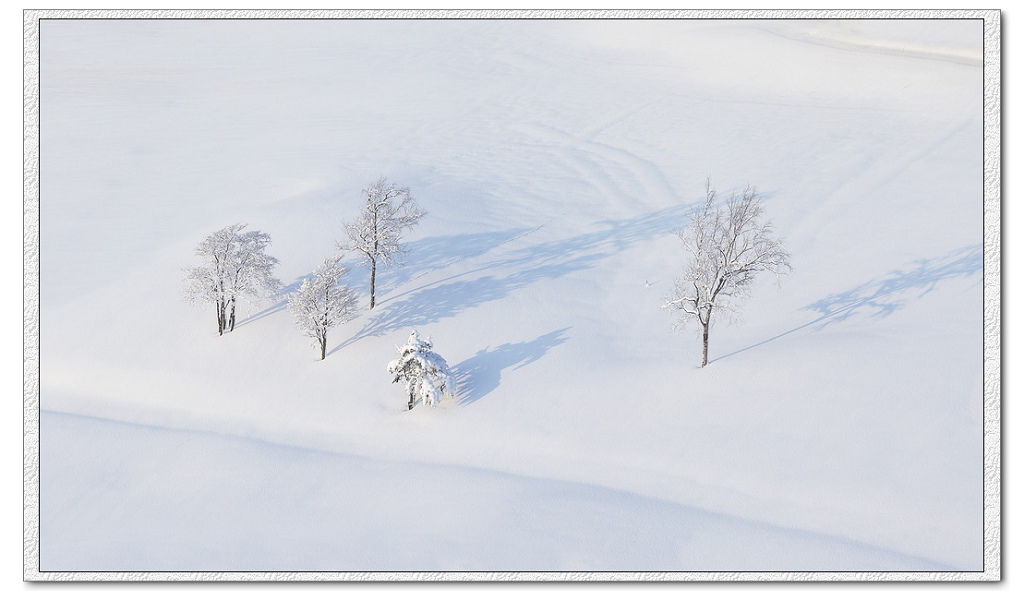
[236, 265]
[375, 235]
[728, 244]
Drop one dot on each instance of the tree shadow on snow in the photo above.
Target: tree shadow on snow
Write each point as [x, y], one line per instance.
[431, 302]
[884, 296]
[479, 375]
[881, 297]
[437, 252]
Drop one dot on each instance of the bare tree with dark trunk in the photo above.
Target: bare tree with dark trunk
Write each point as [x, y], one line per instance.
[728, 245]
[237, 266]
[321, 302]
[376, 234]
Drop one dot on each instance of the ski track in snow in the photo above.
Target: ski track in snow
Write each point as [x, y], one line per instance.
[624, 176]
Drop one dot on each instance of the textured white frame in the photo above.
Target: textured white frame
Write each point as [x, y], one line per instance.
[992, 298]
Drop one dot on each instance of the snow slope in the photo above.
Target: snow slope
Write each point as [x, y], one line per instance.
[310, 510]
[838, 425]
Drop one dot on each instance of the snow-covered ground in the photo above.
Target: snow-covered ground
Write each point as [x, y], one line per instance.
[837, 426]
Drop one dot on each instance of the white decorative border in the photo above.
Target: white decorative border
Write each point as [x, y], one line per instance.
[992, 297]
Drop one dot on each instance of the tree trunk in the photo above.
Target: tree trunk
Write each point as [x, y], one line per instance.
[220, 318]
[323, 347]
[232, 321]
[373, 279]
[410, 400]
[704, 362]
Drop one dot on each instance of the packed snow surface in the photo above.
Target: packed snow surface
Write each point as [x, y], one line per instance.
[837, 426]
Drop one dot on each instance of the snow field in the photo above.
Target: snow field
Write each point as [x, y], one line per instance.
[326, 512]
[555, 159]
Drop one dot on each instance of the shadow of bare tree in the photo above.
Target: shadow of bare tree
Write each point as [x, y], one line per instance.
[434, 303]
[429, 303]
[882, 297]
[432, 253]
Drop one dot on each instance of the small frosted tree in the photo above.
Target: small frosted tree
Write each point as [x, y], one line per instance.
[236, 266]
[321, 302]
[728, 246]
[387, 212]
[426, 375]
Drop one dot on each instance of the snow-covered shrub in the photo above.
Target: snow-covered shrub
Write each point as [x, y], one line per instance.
[321, 302]
[426, 375]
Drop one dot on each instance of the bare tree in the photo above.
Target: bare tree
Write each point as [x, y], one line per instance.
[376, 234]
[427, 376]
[237, 266]
[321, 302]
[728, 246]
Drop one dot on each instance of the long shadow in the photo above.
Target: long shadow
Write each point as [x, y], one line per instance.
[432, 253]
[614, 236]
[431, 302]
[479, 375]
[883, 296]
